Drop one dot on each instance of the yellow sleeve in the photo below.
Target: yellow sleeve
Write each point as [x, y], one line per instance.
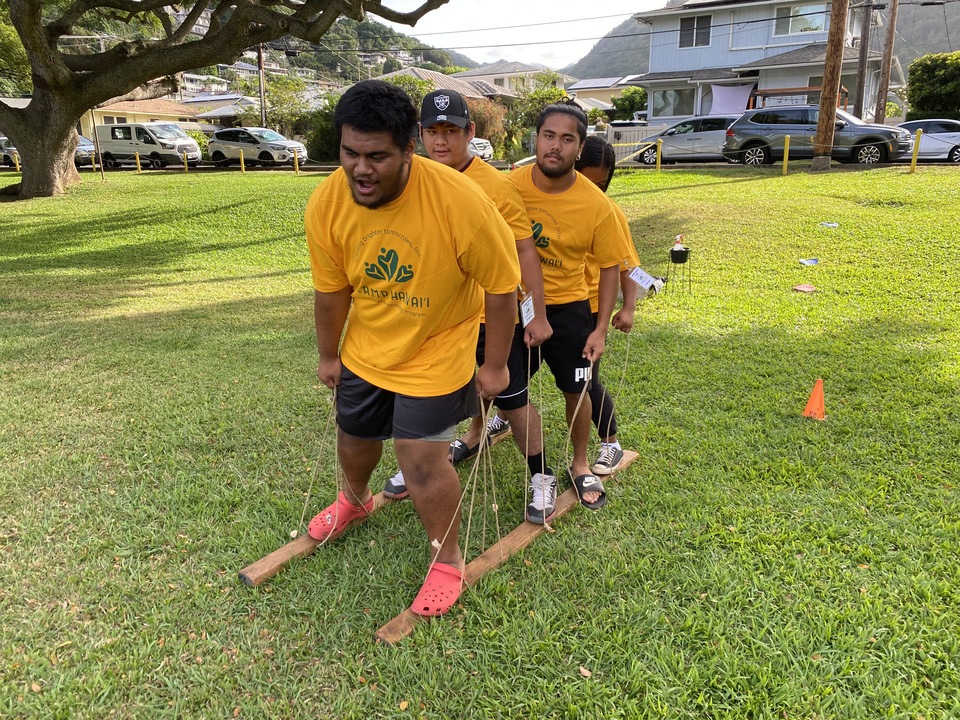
[326, 255]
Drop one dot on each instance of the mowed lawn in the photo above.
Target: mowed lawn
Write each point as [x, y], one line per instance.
[161, 427]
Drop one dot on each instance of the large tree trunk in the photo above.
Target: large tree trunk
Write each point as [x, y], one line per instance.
[46, 138]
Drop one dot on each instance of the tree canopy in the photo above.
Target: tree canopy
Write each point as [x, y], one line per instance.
[164, 40]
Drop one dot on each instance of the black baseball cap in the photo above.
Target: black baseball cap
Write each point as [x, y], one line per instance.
[444, 106]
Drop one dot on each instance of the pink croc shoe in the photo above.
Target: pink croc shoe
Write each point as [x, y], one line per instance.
[439, 592]
[338, 517]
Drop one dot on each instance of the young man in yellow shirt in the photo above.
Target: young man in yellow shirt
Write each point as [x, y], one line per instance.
[404, 254]
[446, 131]
[571, 218]
[597, 163]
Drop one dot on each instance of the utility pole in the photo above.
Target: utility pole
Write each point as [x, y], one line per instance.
[881, 113]
[862, 62]
[263, 93]
[832, 65]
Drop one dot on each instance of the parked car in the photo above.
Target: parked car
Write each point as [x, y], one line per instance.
[9, 152]
[482, 149]
[940, 139]
[157, 144]
[259, 145]
[85, 152]
[757, 137]
[695, 139]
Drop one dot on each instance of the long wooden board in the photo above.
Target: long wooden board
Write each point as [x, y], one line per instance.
[268, 566]
[517, 539]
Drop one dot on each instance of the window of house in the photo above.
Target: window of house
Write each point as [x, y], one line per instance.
[795, 19]
[108, 120]
[669, 103]
[121, 118]
[498, 82]
[695, 31]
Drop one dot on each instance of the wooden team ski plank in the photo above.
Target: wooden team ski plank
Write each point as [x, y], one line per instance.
[266, 567]
[517, 539]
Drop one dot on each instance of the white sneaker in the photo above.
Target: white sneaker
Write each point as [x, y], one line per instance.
[543, 504]
[396, 488]
[496, 427]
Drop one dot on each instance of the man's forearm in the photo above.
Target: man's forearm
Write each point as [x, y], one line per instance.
[629, 289]
[501, 315]
[531, 274]
[607, 295]
[330, 315]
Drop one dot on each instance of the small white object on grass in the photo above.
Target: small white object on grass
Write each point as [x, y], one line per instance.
[293, 533]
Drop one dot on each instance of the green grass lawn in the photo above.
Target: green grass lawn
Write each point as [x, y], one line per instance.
[161, 427]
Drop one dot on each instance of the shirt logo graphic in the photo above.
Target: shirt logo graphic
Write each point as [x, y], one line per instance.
[442, 102]
[540, 241]
[387, 267]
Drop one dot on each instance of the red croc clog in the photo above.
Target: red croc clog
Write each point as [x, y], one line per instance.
[338, 517]
[439, 592]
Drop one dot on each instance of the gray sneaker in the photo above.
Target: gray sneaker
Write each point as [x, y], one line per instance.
[608, 460]
[396, 488]
[543, 503]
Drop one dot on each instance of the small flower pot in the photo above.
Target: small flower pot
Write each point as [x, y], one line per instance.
[679, 255]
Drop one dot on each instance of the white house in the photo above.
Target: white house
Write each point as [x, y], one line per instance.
[721, 56]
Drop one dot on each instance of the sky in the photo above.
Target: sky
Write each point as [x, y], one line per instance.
[555, 33]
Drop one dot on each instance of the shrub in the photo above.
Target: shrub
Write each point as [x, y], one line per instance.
[934, 88]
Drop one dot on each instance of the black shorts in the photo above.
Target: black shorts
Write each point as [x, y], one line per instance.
[563, 352]
[371, 413]
[514, 396]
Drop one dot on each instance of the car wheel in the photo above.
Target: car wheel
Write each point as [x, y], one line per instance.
[265, 159]
[218, 158]
[757, 155]
[110, 162]
[870, 154]
[8, 161]
[156, 162]
[649, 156]
[954, 155]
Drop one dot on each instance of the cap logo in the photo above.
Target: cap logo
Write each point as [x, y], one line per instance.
[442, 102]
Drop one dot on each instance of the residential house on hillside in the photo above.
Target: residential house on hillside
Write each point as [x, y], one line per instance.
[468, 87]
[509, 76]
[595, 92]
[721, 56]
[143, 111]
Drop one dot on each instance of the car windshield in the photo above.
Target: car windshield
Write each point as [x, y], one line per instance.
[168, 131]
[84, 142]
[267, 135]
[850, 119]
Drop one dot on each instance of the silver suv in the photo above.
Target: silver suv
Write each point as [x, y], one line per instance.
[757, 138]
[259, 145]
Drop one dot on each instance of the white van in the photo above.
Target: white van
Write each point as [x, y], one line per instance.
[158, 143]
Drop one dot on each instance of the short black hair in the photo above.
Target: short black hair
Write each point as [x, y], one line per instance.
[597, 152]
[565, 108]
[374, 106]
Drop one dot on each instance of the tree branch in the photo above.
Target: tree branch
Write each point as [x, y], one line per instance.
[409, 18]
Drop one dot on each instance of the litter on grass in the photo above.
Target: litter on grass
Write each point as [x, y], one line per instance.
[830, 224]
[806, 287]
[809, 261]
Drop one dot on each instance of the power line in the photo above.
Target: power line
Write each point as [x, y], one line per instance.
[525, 25]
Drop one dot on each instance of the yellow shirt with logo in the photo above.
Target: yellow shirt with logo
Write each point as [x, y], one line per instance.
[418, 267]
[591, 270]
[566, 227]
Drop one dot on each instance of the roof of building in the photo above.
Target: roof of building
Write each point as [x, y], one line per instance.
[692, 75]
[595, 83]
[814, 54]
[157, 106]
[471, 89]
[502, 67]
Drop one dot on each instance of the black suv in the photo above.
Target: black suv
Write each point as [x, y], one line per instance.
[757, 137]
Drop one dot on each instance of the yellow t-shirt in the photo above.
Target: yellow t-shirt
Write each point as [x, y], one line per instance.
[566, 226]
[505, 196]
[591, 270]
[417, 267]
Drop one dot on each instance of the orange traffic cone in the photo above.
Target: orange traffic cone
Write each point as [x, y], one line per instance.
[814, 408]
